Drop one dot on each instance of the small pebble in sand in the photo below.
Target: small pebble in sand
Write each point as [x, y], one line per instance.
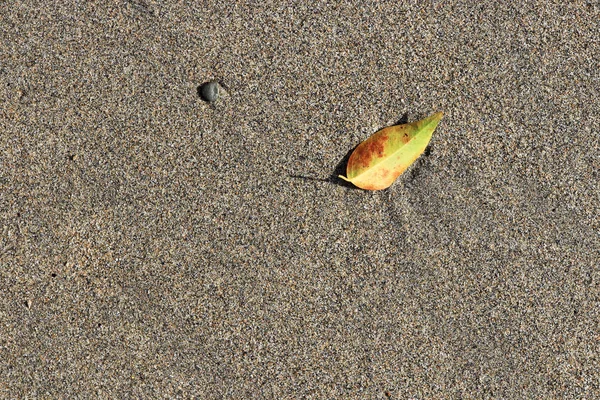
[209, 91]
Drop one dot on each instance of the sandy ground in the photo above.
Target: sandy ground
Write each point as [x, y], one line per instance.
[154, 245]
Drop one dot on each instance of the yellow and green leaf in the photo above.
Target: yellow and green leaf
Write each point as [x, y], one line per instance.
[378, 161]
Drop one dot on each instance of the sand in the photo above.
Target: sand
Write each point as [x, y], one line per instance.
[154, 245]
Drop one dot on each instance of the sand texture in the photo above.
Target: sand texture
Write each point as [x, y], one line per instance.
[155, 245]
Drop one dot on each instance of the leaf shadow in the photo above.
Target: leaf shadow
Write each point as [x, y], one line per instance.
[340, 168]
[403, 119]
[308, 178]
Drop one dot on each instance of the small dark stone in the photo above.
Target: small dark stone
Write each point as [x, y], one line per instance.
[209, 91]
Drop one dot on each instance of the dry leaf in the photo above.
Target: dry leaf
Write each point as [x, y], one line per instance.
[378, 161]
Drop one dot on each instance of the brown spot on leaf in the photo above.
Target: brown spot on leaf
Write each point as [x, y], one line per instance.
[371, 149]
